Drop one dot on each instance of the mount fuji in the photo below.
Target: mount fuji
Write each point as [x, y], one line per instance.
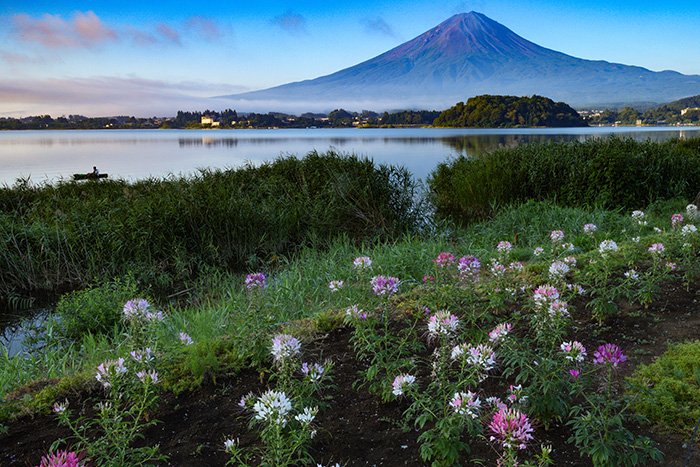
[467, 55]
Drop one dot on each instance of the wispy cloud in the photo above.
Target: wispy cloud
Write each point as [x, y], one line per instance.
[205, 28]
[291, 22]
[168, 34]
[52, 31]
[102, 96]
[13, 58]
[378, 26]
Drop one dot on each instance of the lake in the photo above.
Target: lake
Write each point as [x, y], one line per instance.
[136, 154]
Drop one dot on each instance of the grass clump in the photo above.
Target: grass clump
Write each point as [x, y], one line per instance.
[613, 173]
[668, 390]
[166, 231]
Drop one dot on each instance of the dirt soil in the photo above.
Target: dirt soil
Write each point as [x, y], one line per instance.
[360, 430]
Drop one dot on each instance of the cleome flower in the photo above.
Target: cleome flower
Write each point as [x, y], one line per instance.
[544, 294]
[60, 407]
[109, 370]
[609, 354]
[335, 286]
[556, 236]
[362, 262]
[558, 270]
[607, 246]
[511, 428]
[185, 338]
[676, 220]
[273, 407]
[62, 459]
[354, 312]
[138, 309]
[573, 351]
[504, 247]
[516, 395]
[142, 356]
[639, 216]
[499, 332]
[558, 309]
[313, 372]
[384, 286]
[444, 259]
[402, 382]
[230, 445]
[256, 280]
[466, 403]
[688, 230]
[657, 249]
[468, 266]
[538, 251]
[632, 274]
[307, 416]
[590, 229]
[442, 323]
[284, 346]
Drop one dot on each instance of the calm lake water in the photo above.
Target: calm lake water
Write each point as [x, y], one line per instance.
[136, 154]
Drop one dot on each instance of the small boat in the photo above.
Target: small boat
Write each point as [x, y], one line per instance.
[89, 176]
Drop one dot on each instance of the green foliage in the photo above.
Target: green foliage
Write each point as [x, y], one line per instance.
[166, 230]
[95, 310]
[667, 391]
[612, 173]
[509, 111]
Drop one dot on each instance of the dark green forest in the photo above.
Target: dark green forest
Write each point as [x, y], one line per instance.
[489, 111]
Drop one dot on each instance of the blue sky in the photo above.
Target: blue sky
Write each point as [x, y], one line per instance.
[152, 58]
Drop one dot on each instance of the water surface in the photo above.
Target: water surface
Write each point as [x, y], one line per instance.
[136, 154]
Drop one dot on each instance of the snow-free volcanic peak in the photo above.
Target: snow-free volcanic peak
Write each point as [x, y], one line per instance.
[467, 55]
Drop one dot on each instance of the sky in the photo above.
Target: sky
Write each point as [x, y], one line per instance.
[148, 58]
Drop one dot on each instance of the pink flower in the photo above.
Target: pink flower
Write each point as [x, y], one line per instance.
[556, 236]
[511, 428]
[574, 373]
[609, 354]
[499, 332]
[676, 220]
[544, 294]
[442, 322]
[444, 259]
[466, 403]
[256, 280]
[573, 351]
[428, 278]
[657, 248]
[62, 459]
[504, 247]
[401, 382]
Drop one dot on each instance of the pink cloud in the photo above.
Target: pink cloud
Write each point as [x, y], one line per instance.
[52, 31]
[168, 33]
[204, 27]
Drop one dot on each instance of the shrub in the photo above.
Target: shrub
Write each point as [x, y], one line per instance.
[613, 173]
[668, 390]
[95, 310]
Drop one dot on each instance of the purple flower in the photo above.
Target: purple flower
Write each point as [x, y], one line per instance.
[590, 228]
[185, 338]
[109, 370]
[504, 247]
[511, 428]
[442, 323]
[468, 266]
[354, 312]
[574, 373]
[609, 354]
[499, 332]
[285, 346]
[384, 286]
[256, 280]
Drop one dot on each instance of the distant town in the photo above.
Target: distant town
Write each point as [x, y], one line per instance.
[678, 113]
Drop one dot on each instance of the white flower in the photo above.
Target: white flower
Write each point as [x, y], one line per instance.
[689, 229]
[538, 251]
[466, 403]
[362, 262]
[284, 346]
[590, 228]
[273, 407]
[307, 416]
[632, 274]
[335, 285]
[186, 339]
[639, 216]
[442, 322]
[230, 444]
[607, 245]
[558, 270]
[401, 382]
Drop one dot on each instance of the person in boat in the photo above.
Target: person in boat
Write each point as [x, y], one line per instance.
[95, 173]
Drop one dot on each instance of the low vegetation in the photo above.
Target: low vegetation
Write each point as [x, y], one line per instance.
[612, 173]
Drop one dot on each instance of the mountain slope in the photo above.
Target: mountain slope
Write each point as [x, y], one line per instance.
[470, 54]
